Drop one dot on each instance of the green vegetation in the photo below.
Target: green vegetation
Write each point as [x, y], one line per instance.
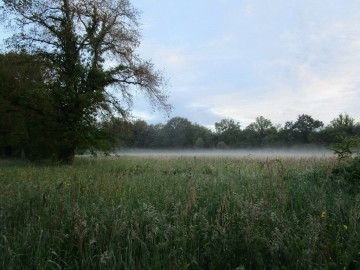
[181, 213]
[348, 167]
[179, 132]
[89, 66]
[67, 80]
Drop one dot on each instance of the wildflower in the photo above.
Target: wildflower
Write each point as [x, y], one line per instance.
[105, 257]
[92, 241]
[323, 214]
[345, 227]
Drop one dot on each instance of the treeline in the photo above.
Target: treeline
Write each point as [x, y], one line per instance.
[40, 120]
[179, 132]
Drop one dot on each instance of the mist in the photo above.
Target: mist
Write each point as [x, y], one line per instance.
[294, 152]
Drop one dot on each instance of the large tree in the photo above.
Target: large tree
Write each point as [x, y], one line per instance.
[91, 47]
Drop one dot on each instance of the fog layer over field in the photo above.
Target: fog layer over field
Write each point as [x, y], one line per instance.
[273, 152]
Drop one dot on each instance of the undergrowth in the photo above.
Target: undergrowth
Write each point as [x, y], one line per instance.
[180, 213]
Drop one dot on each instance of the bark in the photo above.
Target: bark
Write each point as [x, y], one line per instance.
[67, 155]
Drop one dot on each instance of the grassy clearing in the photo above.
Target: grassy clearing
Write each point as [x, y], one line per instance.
[180, 213]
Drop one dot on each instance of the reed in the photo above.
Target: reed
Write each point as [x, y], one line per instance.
[177, 213]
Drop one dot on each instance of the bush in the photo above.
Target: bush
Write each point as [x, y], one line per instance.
[348, 171]
[348, 168]
[344, 149]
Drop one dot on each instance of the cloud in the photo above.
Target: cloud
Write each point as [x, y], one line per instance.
[218, 42]
[144, 115]
[277, 59]
[321, 97]
[249, 9]
[173, 58]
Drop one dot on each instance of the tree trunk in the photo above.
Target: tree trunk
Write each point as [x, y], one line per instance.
[67, 155]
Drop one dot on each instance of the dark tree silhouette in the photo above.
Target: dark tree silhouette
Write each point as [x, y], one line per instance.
[91, 47]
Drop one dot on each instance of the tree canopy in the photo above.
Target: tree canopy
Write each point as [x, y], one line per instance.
[180, 132]
[90, 48]
[25, 106]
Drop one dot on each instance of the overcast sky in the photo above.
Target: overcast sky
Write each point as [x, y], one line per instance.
[241, 59]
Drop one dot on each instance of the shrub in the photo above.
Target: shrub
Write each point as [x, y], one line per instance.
[348, 168]
[348, 171]
[344, 149]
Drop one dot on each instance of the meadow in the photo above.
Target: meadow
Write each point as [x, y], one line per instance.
[178, 213]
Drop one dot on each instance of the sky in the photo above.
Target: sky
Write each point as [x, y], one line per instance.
[240, 59]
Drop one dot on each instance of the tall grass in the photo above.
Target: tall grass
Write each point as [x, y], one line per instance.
[179, 213]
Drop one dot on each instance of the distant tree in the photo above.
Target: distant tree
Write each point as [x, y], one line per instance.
[258, 130]
[199, 143]
[343, 121]
[156, 136]
[178, 132]
[221, 145]
[285, 134]
[260, 126]
[117, 132]
[302, 128]
[139, 134]
[226, 125]
[341, 127]
[91, 47]
[228, 131]
[205, 134]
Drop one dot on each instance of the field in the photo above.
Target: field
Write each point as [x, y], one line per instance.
[178, 213]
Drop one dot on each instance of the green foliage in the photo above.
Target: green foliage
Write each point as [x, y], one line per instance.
[181, 213]
[228, 132]
[348, 168]
[221, 145]
[344, 149]
[340, 127]
[343, 120]
[226, 125]
[26, 125]
[199, 143]
[261, 132]
[178, 132]
[77, 42]
[348, 172]
[301, 130]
